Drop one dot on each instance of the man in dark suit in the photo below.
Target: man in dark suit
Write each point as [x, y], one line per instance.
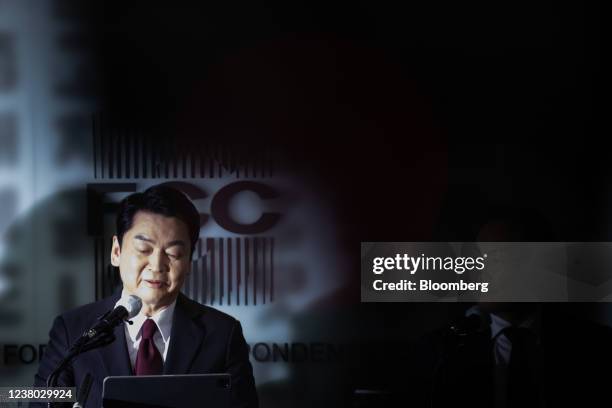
[565, 366]
[156, 234]
[516, 354]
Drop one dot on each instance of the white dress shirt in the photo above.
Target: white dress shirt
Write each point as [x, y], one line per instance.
[161, 338]
[502, 349]
[503, 346]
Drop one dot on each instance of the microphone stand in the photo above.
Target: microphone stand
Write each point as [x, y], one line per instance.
[453, 339]
[83, 344]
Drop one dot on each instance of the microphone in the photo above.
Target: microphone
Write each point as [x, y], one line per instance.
[467, 325]
[101, 334]
[126, 308]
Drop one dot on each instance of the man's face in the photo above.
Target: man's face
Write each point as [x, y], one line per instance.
[154, 259]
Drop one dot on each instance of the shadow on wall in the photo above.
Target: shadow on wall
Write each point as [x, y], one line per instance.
[45, 268]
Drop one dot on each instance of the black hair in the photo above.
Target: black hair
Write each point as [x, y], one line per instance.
[523, 224]
[162, 200]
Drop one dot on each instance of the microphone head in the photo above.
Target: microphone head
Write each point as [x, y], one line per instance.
[132, 304]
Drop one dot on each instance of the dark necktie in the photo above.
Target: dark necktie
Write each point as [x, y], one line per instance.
[148, 359]
[522, 375]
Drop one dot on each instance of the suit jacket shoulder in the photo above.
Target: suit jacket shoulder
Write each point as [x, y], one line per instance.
[217, 319]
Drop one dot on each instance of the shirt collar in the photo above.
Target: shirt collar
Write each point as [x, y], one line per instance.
[532, 323]
[163, 320]
[497, 324]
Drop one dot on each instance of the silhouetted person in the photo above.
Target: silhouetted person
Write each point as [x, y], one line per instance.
[513, 354]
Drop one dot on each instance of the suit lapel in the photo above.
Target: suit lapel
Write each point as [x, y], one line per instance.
[185, 339]
[115, 356]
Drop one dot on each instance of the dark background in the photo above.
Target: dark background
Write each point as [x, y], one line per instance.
[419, 121]
[494, 104]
